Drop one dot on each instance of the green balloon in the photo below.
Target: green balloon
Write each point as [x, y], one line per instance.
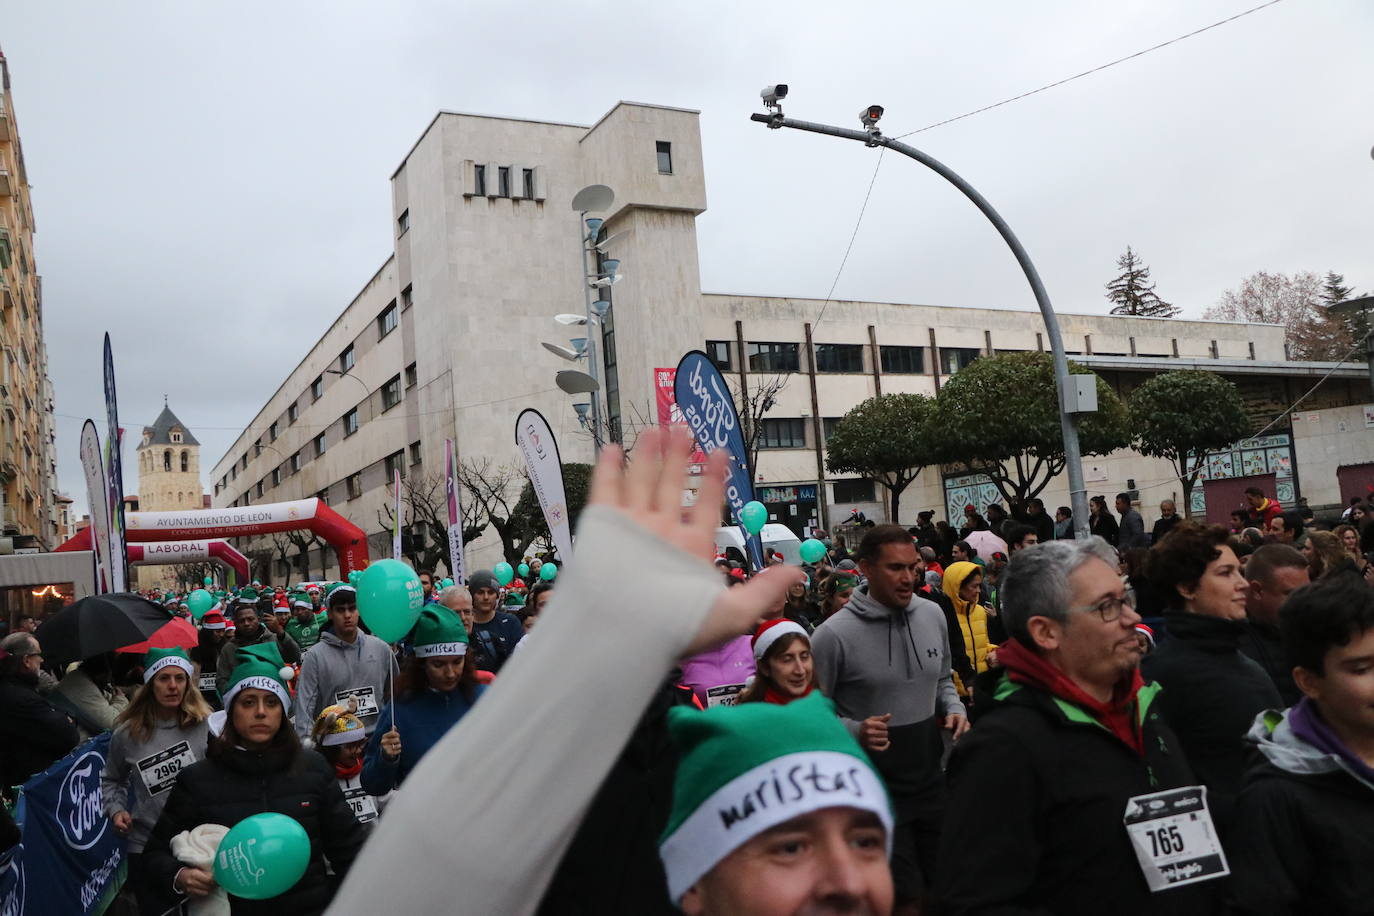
[446, 583]
[209, 580]
[263, 856]
[198, 602]
[504, 573]
[547, 572]
[389, 599]
[753, 516]
[523, 569]
[812, 550]
[353, 576]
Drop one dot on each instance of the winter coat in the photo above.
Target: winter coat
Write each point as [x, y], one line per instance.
[1104, 526]
[1307, 817]
[335, 668]
[973, 621]
[1163, 525]
[959, 663]
[236, 784]
[366, 807]
[1131, 531]
[1211, 695]
[139, 775]
[713, 676]
[33, 735]
[1262, 643]
[1033, 822]
[493, 642]
[421, 719]
[228, 653]
[95, 709]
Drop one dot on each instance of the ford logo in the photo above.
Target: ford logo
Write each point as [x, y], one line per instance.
[78, 802]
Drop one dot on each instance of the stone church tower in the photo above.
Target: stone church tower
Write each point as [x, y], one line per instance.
[168, 479]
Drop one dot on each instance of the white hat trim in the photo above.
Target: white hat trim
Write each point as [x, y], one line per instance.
[441, 648]
[258, 682]
[184, 664]
[760, 799]
[334, 739]
[773, 634]
[214, 626]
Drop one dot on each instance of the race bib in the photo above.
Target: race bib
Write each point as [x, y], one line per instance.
[366, 698]
[1174, 838]
[206, 683]
[364, 806]
[724, 695]
[159, 771]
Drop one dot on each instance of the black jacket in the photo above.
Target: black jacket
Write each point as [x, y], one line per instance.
[33, 735]
[1105, 526]
[1212, 694]
[1033, 822]
[1263, 644]
[958, 654]
[493, 642]
[235, 784]
[1163, 526]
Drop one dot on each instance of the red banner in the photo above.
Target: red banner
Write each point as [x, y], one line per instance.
[668, 411]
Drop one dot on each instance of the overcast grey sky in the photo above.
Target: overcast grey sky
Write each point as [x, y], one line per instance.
[210, 180]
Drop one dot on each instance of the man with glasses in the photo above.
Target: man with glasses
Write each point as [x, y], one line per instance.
[32, 733]
[1039, 790]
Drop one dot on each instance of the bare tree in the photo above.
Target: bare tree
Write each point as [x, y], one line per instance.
[280, 549]
[492, 493]
[754, 401]
[1294, 302]
[305, 541]
[424, 514]
[191, 576]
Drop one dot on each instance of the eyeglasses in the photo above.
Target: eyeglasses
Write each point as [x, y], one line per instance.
[1110, 609]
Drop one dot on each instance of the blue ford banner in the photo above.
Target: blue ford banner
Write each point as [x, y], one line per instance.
[114, 470]
[70, 859]
[709, 410]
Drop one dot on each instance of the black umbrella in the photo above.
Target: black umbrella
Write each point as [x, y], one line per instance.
[99, 624]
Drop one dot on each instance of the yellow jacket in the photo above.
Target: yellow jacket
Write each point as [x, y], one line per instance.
[973, 620]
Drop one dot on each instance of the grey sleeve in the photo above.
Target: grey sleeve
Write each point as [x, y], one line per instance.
[114, 781]
[827, 655]
[566, 748]
[307, 693]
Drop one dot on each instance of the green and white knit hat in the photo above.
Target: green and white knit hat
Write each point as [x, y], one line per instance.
[157, 659]
[260, 666]
[440, 632]
[301, 599]
[247, 596]
[746, 769]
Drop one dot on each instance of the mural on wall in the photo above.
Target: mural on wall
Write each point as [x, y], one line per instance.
[976, 490]
[1264, 455]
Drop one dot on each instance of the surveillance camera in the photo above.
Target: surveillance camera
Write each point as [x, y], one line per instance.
[870, 116]
[772, 95]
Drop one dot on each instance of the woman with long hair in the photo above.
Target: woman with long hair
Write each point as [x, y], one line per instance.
[435, 690]
[160, 732]
[1350, 540]
[963, 587]
[1325, 554]
[800, 608]
[835, 591]
[1101, 522]
[255, 766]
[785, 671]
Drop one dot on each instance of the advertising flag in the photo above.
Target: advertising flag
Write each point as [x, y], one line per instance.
[114, 470]
[396, 518]
[536, 442]
[97, 495]
[455, 517]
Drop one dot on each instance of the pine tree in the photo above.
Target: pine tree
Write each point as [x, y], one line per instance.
[1351, 328]
[1133, 293]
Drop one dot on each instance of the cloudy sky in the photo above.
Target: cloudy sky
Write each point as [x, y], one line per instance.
[210, 179]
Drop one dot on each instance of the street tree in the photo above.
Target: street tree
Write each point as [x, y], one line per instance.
[424, 520]
[1132, 293]
[753, 401]
[1000, 417]
[529, 516]
[1295, 303]
[1183, 415]
[490, 491]
[886, 438]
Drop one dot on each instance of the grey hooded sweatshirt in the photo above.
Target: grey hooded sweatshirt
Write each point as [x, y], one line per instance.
[333, 668]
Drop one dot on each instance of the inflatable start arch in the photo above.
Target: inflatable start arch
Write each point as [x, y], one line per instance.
[176, 553]
[347, 539]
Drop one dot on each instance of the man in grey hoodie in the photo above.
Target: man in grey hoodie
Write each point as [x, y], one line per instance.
[884, 659]
[345, 662]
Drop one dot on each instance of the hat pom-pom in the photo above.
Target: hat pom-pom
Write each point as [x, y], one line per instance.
[287, 673]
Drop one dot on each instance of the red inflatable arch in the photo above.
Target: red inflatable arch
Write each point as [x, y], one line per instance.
[347, 539]
[174, 553]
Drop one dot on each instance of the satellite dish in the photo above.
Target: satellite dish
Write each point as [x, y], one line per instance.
[594, 198]
[601, 245]
[567, 353]
[566, 318]
[574, 381]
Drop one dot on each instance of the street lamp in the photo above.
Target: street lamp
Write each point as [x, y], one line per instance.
[596, 198]
[1074, 396]
[340, 372]
[1361, 305]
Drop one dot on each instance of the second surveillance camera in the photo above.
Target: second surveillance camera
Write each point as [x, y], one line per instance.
[772, 95]
[870, 116]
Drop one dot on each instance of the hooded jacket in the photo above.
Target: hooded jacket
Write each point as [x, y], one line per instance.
[228, 653]
[421, 720]
[1307, 816]
[972, 618]
[333, 667]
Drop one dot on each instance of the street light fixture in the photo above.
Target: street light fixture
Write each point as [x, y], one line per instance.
[1072, 400]
[596, 198]
[567, 353]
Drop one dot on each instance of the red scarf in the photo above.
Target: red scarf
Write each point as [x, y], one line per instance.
[344, 772]
[1117, 715]
[782, 699]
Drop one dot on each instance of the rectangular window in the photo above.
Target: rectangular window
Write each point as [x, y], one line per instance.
[272, 432]
[292, 413]
[276, 477]
[355, 486]
[386, 321]
[406, 300]
[952, 359]
[323, 496]
[414, 453]
[346, 359]
[527, 180]
[411, 376]
[839, 357]
[391, 393]
[853, 491]
[773, 357]
[396, 461]
[350, 422]
[479, 183]
[903, 360]
[403, 222]
[317, 388]
[257, 450]
[503, 181]
[665, 157]
[719, 351]
[783, 433]
[319, 445]
[828, 425]
[258, 489]
[295, 462]
[234, 472]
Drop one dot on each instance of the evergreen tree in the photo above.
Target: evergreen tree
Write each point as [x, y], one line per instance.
[1353, 327]
[1133, 293]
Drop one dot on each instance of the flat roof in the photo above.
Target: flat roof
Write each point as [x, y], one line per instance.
[1233, 366]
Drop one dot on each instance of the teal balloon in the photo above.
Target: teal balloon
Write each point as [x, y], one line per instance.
[198, 602]
[547, 572]
[504, 572]
[263, 856]
[524, 570]
[446, 583]
[812, 550]
[389, 599]
[753, 516]
[209, 580]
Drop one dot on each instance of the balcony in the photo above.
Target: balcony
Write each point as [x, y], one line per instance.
[6, 186]
[9, 517]
[4, 121]
[6, 251]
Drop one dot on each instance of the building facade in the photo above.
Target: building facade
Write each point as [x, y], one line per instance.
[28, 468]
[168, 479]
[443, 342]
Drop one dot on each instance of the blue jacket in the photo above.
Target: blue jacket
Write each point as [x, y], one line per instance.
[422, 720]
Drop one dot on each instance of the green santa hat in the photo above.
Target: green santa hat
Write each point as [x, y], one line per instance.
[157, 659]
[248, 596]
[439, 632]
[301, 599]
[746, 769]
[260, 666]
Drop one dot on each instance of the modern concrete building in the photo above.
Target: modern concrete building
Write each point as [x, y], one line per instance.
[443, 341]
[28, 469]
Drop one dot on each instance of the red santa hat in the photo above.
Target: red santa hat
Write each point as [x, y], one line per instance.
[770, 631]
